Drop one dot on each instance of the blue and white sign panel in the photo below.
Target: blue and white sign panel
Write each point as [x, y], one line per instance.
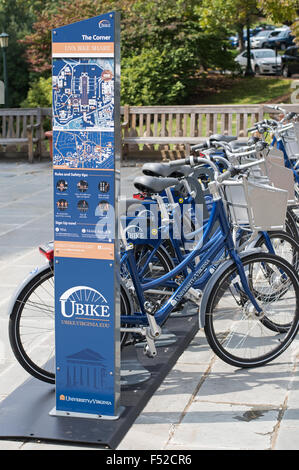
[86, 155]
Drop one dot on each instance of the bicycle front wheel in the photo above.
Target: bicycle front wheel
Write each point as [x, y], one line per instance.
[235, 331]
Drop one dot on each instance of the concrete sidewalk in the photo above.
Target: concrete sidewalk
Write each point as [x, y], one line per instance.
[202, 404]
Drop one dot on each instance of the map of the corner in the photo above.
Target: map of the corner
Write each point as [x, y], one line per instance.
[83, 94]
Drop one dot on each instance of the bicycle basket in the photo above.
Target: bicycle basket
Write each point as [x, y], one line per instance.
[291, 141]
[281, 177]
[277, 156]
[296, 130]
[254, 206]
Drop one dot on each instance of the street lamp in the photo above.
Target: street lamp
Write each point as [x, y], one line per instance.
[4, 44]
[248, 72]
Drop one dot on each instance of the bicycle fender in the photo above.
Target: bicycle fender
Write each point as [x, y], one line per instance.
[214, 279]
[28, 279]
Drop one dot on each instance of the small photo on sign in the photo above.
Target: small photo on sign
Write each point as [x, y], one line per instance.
[82, 186]
[104, 186]
[61, 186]
[82, 206]
[62, 204]
[102, 208]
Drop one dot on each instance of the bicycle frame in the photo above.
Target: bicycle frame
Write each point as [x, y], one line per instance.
[198, 277]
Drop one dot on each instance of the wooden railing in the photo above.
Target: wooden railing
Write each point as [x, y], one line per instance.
[167, 131]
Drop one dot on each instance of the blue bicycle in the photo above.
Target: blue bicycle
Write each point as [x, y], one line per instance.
[248, 301]
[249, 308]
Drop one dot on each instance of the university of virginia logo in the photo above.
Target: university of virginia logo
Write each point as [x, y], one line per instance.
[82, 301]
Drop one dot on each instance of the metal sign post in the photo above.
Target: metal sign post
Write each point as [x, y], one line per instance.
[86, 171]
[86, 159]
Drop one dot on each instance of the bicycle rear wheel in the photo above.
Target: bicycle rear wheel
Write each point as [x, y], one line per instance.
[283, 245]
[233, 329]
[288, 249]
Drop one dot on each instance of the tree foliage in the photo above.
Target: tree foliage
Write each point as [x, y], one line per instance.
[38, 43]
[282, 11]
[16, 19]
[163, 46]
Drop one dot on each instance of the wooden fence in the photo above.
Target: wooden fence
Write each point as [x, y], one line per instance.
[166, 131]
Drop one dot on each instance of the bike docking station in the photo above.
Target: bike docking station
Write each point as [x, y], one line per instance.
[100, 387]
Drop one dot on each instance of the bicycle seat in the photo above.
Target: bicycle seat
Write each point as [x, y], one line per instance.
[153, 184]
[165, 170]
[222, 138]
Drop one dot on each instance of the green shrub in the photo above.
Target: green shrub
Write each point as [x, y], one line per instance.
[40, 94]
[156, 77]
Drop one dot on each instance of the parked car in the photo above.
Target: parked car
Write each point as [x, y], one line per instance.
[290, 61]
[234, 41]
[263, 61]
[259, 40]
[282, 41]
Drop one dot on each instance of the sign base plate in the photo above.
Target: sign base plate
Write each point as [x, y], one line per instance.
[55, 412]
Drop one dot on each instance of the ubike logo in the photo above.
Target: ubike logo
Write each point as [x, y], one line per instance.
[104, 24]
[83, 301]
[134, 232]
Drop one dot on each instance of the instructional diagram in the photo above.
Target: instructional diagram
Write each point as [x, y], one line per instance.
[83, 206]
[83, 94]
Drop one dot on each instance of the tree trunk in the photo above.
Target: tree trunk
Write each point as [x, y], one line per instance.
[240, 28]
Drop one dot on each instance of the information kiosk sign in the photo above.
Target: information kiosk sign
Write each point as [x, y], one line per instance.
[86, 156]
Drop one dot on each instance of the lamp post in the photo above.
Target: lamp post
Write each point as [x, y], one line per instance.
[4, 44]
[248, 72]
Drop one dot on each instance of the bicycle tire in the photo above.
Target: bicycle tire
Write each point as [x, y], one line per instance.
[15, 339]
[291, 224]
[290, 251]
[232, 349]
[290, 254]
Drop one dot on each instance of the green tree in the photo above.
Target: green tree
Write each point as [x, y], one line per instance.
[234, 14]
[163, 39]
[238, 14]
[280, 11]
[16, 19]
[38, 42]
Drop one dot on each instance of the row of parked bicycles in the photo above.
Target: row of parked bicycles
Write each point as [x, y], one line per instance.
[217, 230]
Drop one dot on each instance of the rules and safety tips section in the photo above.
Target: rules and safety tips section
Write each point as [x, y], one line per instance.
[85, 122]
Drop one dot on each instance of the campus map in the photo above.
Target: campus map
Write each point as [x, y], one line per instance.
[83, 94]
[83, 149]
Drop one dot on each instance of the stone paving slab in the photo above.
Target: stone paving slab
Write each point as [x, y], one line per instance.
[225, 426]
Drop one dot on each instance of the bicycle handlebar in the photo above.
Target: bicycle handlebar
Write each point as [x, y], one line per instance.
[201, 146]
[276, 107]
[236, 170]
